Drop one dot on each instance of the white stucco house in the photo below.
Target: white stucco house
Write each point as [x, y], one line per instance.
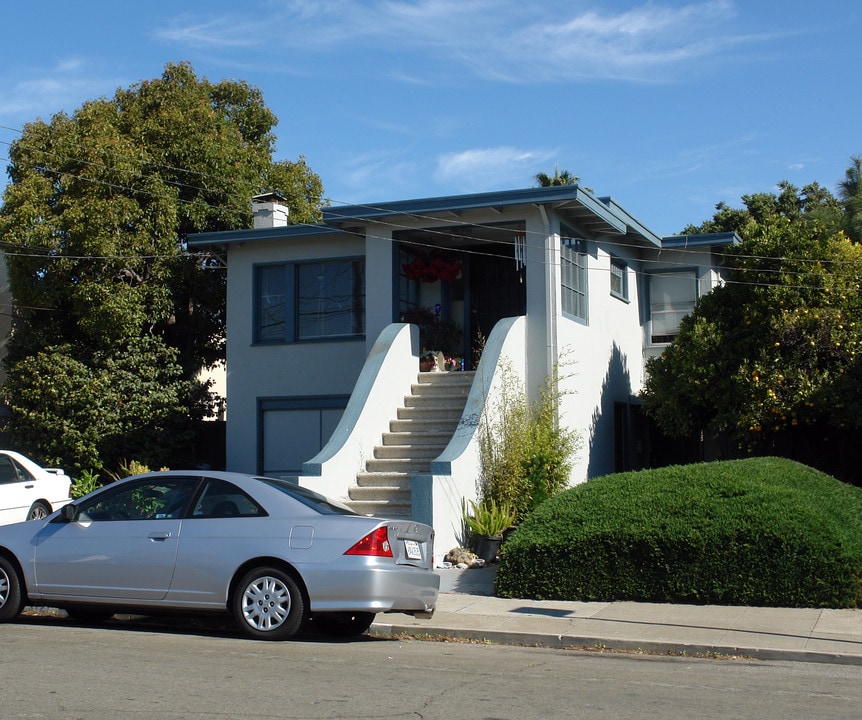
[323, 380]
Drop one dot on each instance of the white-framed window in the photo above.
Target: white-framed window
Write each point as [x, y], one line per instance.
[573, 275]
[673, 294]
[619, 279]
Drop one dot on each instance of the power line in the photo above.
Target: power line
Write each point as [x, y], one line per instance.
[396, 226]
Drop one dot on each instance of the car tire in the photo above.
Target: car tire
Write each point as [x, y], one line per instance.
[11, 595]
[344, 624]
[38, 510]
[268, 604]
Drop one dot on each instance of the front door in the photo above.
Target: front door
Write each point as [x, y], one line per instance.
[497, 290]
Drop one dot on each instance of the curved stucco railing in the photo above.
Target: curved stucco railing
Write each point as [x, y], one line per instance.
[454, 474]
[386, 376]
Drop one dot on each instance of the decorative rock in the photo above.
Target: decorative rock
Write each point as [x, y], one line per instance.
[459, 556]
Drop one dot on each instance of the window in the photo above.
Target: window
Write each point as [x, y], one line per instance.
[307, 301]
[11, 471]
[221, 499]
[672, 297]
[271, 302]
[151, 499]
[309, 498]
[293, 430]
[330, 299]
[619, 279]
[573, 276]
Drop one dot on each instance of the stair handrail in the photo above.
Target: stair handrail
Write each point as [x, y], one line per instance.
[389, 370]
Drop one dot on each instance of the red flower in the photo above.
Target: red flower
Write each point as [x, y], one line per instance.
[432, 268]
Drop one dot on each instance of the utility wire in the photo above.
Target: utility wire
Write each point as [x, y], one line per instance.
[396, 226]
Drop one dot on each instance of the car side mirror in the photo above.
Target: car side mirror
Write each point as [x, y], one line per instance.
[69, 513]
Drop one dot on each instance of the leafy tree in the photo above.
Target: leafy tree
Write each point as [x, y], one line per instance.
[558, 178]
[771, 360]
[850, 192]
[93, 225]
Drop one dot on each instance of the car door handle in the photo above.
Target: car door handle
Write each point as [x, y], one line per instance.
[29, 487]
[159, 536]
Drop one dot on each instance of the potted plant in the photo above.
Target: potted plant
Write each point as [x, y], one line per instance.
[453, 363]
[487, 521]
[427, 361]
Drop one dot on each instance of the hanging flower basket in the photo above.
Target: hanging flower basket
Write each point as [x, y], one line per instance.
[432, 268]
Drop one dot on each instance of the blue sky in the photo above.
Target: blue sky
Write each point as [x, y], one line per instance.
[668, 106]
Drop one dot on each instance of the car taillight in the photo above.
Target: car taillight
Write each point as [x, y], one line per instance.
[375, 544]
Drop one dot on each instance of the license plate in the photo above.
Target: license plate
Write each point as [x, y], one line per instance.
[414, 552]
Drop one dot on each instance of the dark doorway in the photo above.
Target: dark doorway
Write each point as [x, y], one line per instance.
[497, 289]
[490, 286]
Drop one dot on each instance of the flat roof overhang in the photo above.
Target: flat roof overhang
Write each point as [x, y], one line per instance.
[598, 216]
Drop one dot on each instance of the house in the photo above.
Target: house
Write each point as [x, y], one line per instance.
[323, 336]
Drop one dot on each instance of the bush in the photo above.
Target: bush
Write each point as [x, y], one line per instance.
[525, 450]
[762, 531]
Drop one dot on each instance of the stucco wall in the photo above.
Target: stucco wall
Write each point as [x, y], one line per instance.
[265, 371]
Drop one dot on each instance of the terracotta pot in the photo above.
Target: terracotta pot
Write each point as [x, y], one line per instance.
[426, 365]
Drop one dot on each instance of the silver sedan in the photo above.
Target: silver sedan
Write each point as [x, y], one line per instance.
[271, 553]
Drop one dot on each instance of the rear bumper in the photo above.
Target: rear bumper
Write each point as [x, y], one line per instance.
[373, 589]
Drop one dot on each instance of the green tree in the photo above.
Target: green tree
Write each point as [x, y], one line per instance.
[93, 225]
[771, 360]
[850, 193]
[558, 178]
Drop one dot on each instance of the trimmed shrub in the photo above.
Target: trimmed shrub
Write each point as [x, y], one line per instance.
[761, 531]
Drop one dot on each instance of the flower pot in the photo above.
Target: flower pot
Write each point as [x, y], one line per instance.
[487, 548]
[426, 365]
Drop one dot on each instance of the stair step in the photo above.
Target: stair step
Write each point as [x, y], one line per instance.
[389, 465]
[435, 402]
[379, 494]
[433, 390]
[383, 479]
[429, 413]
[417, 439]
[421, 431]
[447, 378]
[405, 452]
[384, 509]
[417, 426]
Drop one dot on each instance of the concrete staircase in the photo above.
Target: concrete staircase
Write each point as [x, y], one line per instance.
[420, 432]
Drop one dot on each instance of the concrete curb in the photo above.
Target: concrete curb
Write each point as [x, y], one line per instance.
[592, 644]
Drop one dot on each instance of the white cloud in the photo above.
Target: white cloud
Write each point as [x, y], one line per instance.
[489, 168]
[49, 91]
[225, 31]
[509, 40]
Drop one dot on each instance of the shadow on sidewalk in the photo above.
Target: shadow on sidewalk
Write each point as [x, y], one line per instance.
[472, 581]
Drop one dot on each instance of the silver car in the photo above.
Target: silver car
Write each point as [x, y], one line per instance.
[269, 552]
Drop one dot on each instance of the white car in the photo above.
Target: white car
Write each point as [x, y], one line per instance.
[29, 492]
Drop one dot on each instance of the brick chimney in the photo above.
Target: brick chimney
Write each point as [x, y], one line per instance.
[269, 210]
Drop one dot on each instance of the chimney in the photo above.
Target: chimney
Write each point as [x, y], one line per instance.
[269, 210]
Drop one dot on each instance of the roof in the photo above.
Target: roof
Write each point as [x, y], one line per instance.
[601, 216]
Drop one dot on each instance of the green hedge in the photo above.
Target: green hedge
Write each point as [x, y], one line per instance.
[764, 531]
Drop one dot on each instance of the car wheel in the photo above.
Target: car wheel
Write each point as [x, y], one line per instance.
[344, 624]
[268, 604]
[11, 598]
[38, 510]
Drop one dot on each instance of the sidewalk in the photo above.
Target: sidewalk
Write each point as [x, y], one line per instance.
[467, 610]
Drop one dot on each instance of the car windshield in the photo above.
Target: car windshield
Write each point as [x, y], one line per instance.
[309, 498]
